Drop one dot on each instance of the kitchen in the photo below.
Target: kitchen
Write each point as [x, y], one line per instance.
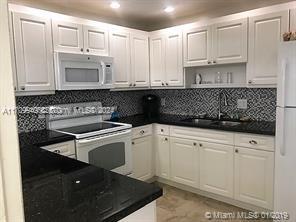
[188, 107]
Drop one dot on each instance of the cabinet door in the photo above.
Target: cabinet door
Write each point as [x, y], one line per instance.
[264, 37]
[254, 177]
[293, 20]
[121, 51]
[67, 36]
[197, 46]
[142, 158]
[216, 168]
[96, 41]
[184, 155]
[157, 60]
[162, 152]
[230, 41]
[33, 51]
[173, 59]
[140, 60]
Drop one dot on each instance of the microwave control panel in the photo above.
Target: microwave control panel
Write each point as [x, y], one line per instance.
[108, 73]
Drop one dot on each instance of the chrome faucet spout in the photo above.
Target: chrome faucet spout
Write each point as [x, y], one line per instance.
[225, 102]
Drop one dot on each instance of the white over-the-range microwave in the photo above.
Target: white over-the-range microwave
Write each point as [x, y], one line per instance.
[78, 71]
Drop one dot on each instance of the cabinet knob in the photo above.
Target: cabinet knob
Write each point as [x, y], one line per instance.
[209, 62]
[236, 150]
[57, 151]
[194, 144]
[162, 84]
[214, 62]
[130, 84]
[23, 87]
[166, 83]
[250, 82]
[87, 50]
[134, 84]
[133, 143]
[161, 130]
[253, 142]
[81, 49]
[14, 88]
[166, 139]
[142, 131]
[200, 144]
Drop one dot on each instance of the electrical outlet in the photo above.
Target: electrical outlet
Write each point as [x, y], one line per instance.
[162, 101]
[242, 104]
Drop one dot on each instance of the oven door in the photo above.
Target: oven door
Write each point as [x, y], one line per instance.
[111, 151]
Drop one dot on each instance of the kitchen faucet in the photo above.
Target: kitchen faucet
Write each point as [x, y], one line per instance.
[225, 103]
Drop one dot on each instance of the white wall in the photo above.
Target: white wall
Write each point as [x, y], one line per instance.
[10, 176]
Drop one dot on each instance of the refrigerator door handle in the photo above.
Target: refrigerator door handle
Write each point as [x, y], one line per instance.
[282, 121]
[282, 85]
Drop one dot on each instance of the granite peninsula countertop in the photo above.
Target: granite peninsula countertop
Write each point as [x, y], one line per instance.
[57, 188]
[256, 127]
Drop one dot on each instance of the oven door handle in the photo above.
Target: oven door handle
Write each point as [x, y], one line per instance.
[102, 137]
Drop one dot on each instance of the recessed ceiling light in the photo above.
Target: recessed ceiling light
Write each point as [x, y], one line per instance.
[115, 5]
[169, 9]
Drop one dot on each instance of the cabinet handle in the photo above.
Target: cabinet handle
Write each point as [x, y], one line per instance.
[236, 150]
[81, 49]
[194, 144]
[134, 84]
[14, 88]
[57, 151]
[161, 130]
[209, 62]
[130, 84]
[166, 83]
[166, 139]
[253, 142]
[23, 87]
[250, 82]
[133, 143]
[142, 131]
[87, 50]
[162, 84]
[214, 62]
[200, 144]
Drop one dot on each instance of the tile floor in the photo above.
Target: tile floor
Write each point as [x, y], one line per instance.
[181, 206]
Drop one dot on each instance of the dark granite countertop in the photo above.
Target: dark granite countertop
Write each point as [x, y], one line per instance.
[57, 188]
[256, 127]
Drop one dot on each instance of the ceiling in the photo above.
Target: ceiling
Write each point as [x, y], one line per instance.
[148, 14]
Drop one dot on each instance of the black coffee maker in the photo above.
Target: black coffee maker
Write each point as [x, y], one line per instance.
[151, 104]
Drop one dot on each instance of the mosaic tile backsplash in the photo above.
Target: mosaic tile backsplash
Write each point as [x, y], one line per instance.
[261, 102]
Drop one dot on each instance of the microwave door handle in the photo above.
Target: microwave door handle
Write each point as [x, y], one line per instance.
[103, 65]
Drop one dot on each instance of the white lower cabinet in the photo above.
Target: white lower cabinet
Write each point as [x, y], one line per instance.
[216, 168]
[142, 158]
[254, 172]
[162, 151]
[184, 157]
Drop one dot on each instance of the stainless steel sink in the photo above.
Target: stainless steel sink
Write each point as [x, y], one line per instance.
[226, 123]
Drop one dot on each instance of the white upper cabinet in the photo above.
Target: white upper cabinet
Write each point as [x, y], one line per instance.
[230, 42]
[293, 20]
[197, 46]
[33, 52]
[157, 60]
[67, 36]
[140, 60]
[184, 161]
[96, 40]
[254, 177]
[173, 59]
[121, 51]
[265, 34]
[216, 168]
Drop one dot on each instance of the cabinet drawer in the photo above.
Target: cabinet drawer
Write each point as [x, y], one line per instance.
[65, 148]
[213, 136]
[142, 131]
[255, 141]
[162, 129]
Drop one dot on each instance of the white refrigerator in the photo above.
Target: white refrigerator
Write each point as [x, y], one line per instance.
[285, 153]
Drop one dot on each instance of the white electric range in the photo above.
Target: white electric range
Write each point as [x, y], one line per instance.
[101, 143]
